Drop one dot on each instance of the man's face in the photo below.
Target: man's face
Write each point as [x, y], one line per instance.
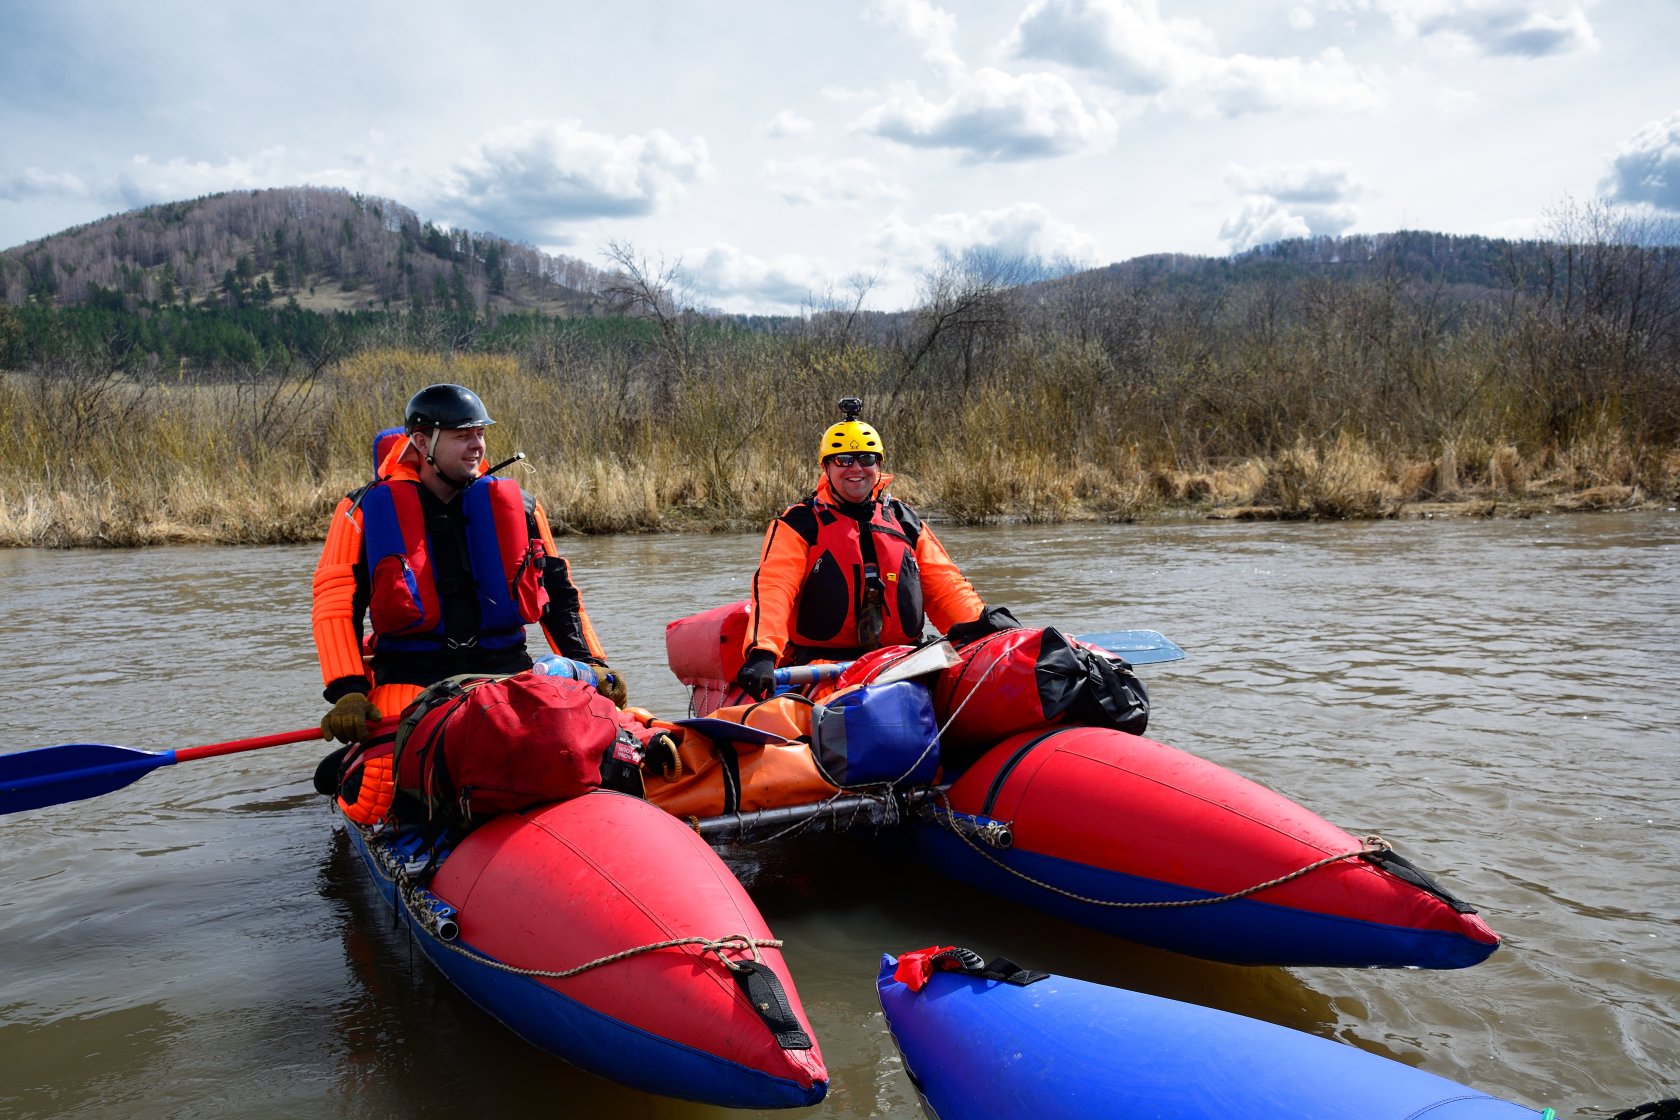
[851, 480]
[458, 451]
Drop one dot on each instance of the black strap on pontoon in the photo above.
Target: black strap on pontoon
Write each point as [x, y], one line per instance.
[1001, 969]
[764, 991]
[1400, 867]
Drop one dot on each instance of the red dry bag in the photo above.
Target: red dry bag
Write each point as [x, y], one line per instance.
[473, 747]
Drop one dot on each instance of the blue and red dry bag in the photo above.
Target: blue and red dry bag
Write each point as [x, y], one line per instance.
[877, 733]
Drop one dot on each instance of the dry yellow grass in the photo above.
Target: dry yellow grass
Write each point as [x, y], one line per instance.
[97, 460]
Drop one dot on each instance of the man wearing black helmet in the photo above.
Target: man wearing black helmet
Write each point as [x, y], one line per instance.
[445, 564]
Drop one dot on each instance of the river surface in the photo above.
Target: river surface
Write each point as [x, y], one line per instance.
[1497, 699]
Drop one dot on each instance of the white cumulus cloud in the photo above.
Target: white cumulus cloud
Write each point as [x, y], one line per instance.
[724, 272]
[1129, 45]
[787, 123]
[1290, 200]
[1520, 28]
[1647, 168]
[33, 183]
[528, 180]
[928, 25]
[991, 115]
[1025, 230]
[1249, 84]
[1125, 43]
[144, 182]
[827, 181]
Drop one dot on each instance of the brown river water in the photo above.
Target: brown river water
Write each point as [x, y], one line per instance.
[1497, 699]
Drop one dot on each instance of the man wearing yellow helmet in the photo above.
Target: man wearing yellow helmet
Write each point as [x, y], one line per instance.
[851, 568]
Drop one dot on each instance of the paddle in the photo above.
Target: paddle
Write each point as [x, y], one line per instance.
[1140, 647]
[77, 771]
[932, 658]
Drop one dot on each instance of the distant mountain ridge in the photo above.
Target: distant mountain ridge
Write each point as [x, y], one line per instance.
[325, 248]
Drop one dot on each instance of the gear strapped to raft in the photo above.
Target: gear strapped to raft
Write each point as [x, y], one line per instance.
[1020, 679]
[472, 746]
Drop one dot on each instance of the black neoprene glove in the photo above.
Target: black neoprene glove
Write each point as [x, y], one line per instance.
[991, 620]
[757, 677]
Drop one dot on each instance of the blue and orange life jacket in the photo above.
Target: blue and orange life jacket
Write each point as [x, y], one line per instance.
[505, 559]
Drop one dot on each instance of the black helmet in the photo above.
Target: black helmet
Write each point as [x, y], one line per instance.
[446, 406]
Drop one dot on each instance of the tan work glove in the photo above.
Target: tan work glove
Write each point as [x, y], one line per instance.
[348, 721]
[611, 685]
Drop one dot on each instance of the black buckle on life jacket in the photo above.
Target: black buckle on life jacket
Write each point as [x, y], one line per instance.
[461, 643]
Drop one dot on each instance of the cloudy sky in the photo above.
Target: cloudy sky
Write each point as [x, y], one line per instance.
[780, 149]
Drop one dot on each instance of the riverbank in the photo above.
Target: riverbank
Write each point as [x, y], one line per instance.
[97, 457]
[241, 509]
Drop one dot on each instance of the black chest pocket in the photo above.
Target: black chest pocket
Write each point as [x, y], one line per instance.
[824, 602]
[910, 597]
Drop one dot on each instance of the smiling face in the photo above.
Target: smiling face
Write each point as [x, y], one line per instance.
[455, 453]
[852, 482]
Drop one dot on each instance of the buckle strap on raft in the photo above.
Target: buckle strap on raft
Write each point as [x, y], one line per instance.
[764, 991]
[998, 835]
[1402, 868]
[916, 967]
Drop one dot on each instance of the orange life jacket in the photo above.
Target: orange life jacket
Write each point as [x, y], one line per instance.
[840, 571]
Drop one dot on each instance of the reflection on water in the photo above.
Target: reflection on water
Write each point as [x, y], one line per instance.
[1480, 693]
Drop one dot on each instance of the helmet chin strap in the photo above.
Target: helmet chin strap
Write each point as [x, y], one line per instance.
[439, 471]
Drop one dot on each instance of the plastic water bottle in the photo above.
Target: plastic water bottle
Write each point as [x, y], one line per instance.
[553, 665]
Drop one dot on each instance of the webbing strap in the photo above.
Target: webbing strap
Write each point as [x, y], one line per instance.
[764, 991]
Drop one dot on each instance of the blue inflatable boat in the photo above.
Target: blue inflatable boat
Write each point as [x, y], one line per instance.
[993, 1041]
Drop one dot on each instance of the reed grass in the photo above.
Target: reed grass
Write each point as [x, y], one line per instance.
[726, 437]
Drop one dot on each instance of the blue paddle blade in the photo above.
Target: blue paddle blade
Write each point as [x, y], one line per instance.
[71, 772]
[1140, 647]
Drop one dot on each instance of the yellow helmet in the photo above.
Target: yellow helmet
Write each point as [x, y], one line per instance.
[851, 434]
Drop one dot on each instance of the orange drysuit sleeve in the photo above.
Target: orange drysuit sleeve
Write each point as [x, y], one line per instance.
[775, 588]
[947, 596]
[332, 615]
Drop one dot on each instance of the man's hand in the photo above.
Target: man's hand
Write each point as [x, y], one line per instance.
[348, 721]
[991, 620]
[757, 677]
[610, 683]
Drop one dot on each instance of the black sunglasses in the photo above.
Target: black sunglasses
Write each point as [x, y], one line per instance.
[862, 459]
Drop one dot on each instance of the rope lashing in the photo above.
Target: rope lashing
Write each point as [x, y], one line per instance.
[414, 900]
[1367, 845]
[734, 942]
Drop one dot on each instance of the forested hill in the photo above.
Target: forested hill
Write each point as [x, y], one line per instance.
[328, 250]
[271, 278]
[1465, 263]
